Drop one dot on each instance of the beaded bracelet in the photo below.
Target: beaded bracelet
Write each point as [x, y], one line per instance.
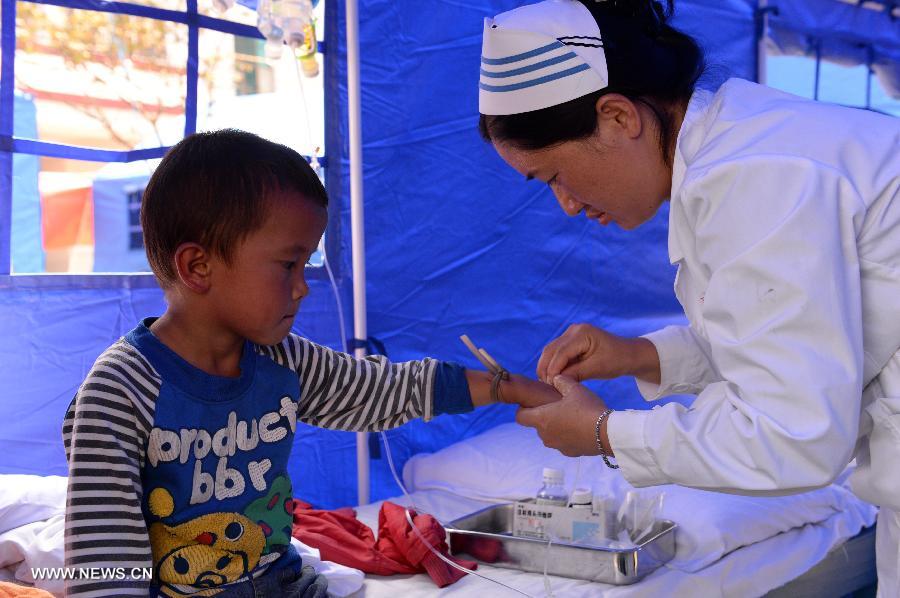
[603, 454]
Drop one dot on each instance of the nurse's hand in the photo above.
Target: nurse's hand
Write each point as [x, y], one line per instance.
[568, 425]
[585, 352]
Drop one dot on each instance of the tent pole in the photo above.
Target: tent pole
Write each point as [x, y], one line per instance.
[357, 226]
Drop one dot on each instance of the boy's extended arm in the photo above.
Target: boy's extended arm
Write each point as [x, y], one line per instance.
[107, 547]
[345, 393]
[518, 389]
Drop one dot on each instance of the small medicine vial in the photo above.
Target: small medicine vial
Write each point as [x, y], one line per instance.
[582, 498]
[552, 492]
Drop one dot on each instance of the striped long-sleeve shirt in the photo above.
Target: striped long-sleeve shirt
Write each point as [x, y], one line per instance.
[178, 472]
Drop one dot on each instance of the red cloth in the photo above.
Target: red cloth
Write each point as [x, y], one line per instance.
[342, 538]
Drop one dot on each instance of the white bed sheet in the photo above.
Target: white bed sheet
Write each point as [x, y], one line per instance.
[504, 464]
[749, 571]
[499, 466]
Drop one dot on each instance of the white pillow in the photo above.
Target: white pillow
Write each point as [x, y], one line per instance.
[505, 463]
[25, 499]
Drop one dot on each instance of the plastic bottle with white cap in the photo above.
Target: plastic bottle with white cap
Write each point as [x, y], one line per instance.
[552, 492]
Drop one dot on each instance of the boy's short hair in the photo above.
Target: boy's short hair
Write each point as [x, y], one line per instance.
[213, 189]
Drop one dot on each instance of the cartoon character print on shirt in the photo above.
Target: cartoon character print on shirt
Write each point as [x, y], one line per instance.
[219, 547]
[274, 514]
[205, 552]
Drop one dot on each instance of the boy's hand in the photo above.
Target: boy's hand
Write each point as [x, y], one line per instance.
[527, 393]
[518, 390]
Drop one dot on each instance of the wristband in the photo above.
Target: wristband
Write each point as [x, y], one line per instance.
[499, 372]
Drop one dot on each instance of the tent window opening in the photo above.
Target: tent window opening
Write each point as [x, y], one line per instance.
[823, 80]
[92, 98]
[857, 64]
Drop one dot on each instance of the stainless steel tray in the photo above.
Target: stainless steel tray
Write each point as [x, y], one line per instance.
[487, 536]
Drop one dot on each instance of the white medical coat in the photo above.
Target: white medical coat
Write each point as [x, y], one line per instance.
[785, 226]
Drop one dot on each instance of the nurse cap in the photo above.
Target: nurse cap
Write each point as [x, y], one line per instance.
[540, 55]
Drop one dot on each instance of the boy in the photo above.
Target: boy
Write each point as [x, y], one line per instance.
[179, 437]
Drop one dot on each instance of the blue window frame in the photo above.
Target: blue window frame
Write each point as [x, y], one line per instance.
[13, 145]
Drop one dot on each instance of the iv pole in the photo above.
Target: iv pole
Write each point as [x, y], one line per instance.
[357, 226]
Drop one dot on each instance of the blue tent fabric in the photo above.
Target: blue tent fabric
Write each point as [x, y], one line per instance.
[26, 247]
[456, 243]
[51, 336]
[50, 339]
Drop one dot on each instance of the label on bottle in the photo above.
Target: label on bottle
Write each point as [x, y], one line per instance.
[554, 521]
[550, 501]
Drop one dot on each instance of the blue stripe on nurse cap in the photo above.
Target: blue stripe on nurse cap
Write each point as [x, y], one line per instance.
[538, 56]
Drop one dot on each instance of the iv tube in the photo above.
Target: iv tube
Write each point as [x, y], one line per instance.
[384, 436]
[387, 451]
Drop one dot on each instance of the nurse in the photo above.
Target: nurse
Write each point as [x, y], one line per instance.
[784, 222]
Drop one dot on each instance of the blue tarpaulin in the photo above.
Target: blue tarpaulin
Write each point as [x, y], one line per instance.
[25, 249]
[456, 242]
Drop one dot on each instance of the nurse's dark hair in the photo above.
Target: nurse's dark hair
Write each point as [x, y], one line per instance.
[214, 189]
[648, 60]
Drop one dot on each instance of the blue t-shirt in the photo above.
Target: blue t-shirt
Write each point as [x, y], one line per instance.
[213, 502]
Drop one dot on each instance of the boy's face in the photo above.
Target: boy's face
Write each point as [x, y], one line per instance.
[259, 294]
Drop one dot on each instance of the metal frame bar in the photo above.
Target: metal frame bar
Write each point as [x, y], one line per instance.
[357, 227]
[7, 100]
